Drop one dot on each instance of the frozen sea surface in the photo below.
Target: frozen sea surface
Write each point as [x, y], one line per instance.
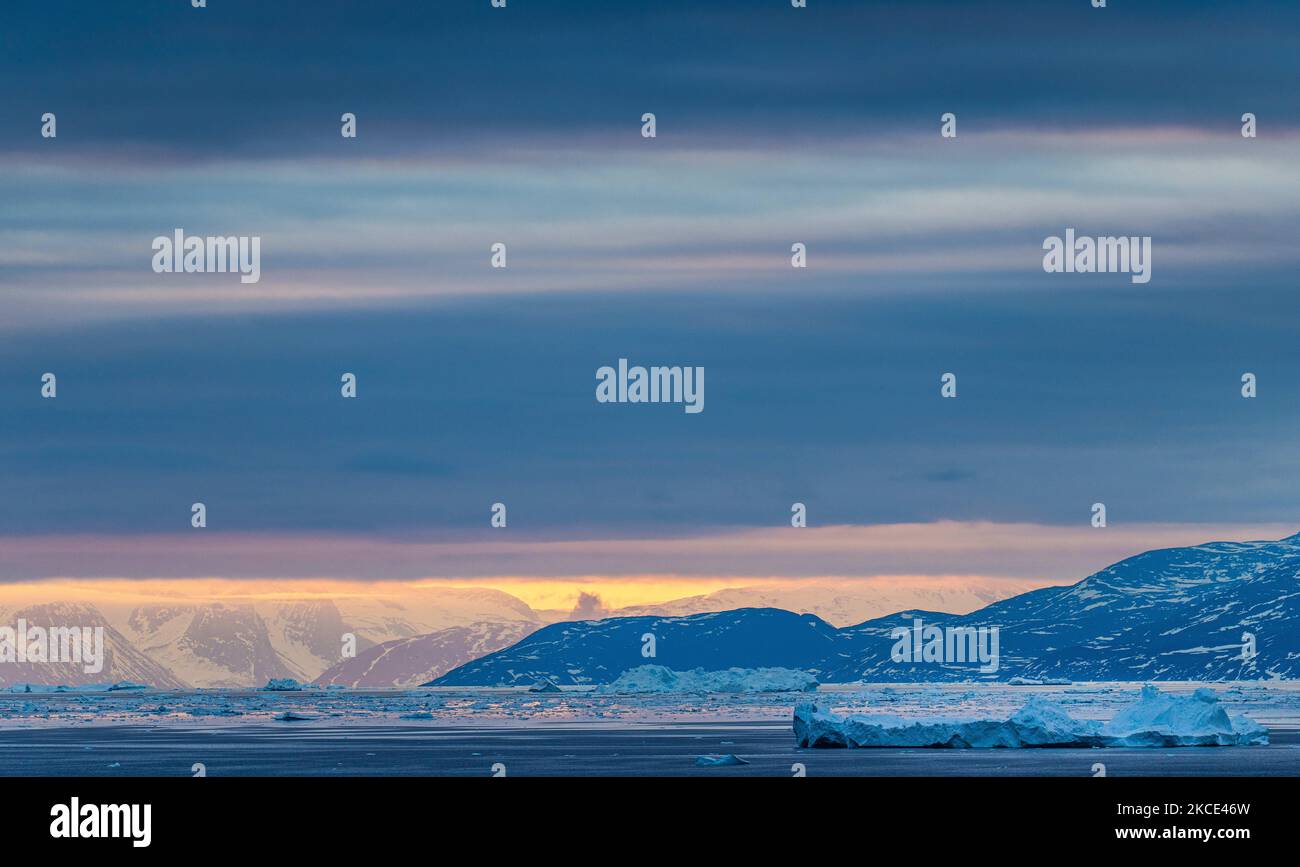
[464, 732]
[552, 749]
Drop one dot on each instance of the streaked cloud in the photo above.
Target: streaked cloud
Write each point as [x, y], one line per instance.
[1050, 554]
[817, 126]
[338, 235]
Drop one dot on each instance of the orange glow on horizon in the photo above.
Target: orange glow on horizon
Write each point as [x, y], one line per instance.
[540, 593]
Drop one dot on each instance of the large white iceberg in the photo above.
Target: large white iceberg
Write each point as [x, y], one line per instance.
[1162, 720]
[1156, 720]
[657, 678]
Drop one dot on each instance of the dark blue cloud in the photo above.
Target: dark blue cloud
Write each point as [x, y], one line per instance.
[1065, 398]
[822, 389]
[158, 79]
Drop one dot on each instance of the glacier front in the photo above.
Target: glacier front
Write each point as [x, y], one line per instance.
[1156, 719]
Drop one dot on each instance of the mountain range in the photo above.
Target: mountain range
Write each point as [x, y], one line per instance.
[404, 635]
[1219, 611]
[411, 661]
[1170, 614]
[243, 642]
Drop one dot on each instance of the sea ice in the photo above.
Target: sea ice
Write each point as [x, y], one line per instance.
[657, 678]
[719, 761]
[1156, 719]
[1039, 681]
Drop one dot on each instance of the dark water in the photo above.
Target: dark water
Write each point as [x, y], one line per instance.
[308, 749]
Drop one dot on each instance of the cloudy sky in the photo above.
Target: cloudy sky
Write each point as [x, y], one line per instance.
[775, 126]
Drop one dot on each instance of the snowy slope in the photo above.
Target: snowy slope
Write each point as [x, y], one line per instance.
[172, 639]
[405, 662]
[1172, 614]
[598, 651]
[122, 660]
[211, 645]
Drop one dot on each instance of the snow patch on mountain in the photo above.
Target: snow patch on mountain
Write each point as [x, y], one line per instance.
[407, 662]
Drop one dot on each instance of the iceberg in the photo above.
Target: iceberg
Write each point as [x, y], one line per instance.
[1039, 681]
[1156, 719]
[282, 684]
[658, 679]
[1197, 720]
[293, 716]
[545, 684]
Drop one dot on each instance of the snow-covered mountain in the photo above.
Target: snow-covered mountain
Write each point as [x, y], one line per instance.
[121, 660]
[212, 645]
[240, 643]
[844, 603]
[598, 651]
[410, 661]
[1172, 614]
[172, 640]
[405, 662]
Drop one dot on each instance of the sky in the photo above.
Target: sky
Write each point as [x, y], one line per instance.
[476, 385]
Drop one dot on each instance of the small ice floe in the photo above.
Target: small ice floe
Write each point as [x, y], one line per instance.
[1039, 681]
[545, 684]
[658, 679]
[115, 765]
[417, 714]
[1156, 719]
[719, 761]
[125, 685]
[293, 716]
[282, 684]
